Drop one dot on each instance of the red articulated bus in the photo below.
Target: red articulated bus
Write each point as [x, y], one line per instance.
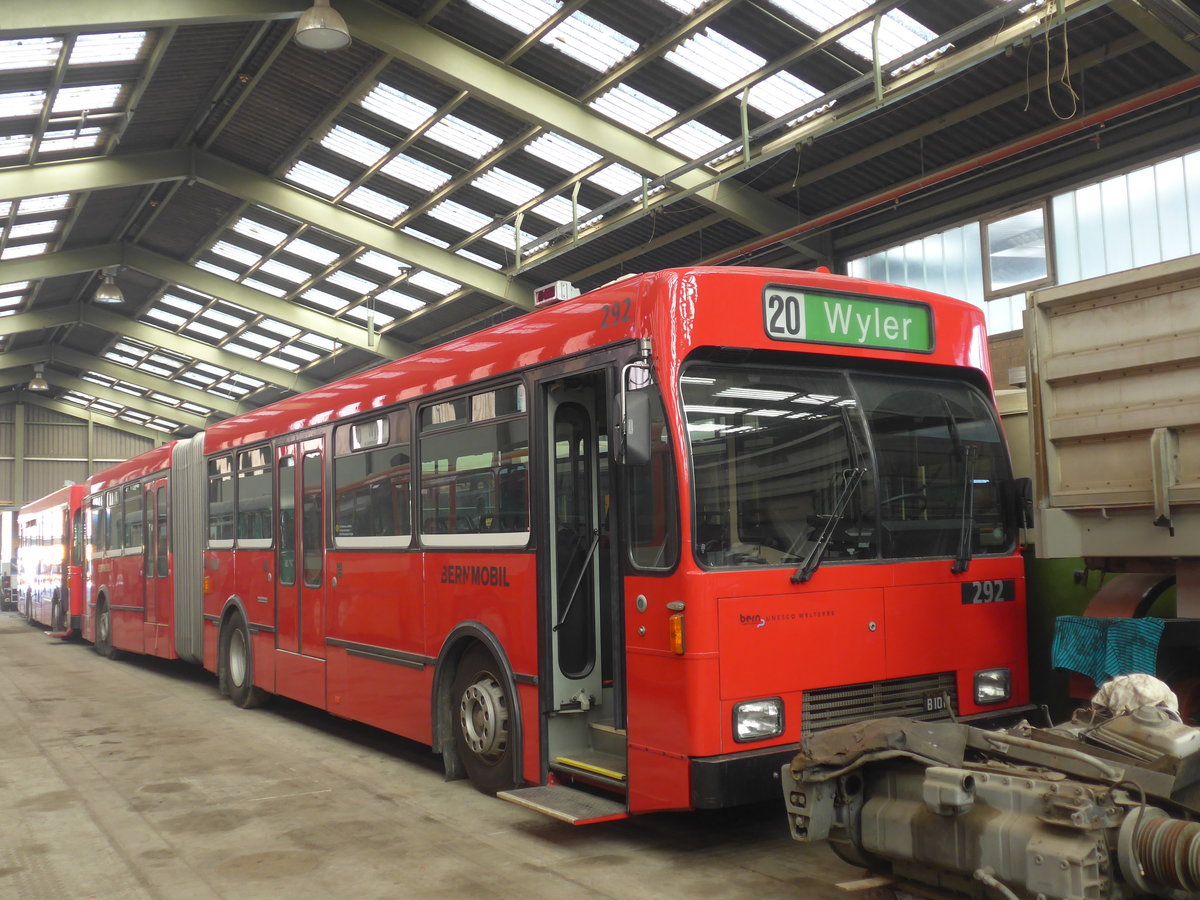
[616, 555]
[50, 560]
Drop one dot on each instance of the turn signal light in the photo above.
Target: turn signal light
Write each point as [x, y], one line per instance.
[207, 584]
[675, 625]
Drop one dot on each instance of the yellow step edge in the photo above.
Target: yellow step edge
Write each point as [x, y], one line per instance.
[588, 767]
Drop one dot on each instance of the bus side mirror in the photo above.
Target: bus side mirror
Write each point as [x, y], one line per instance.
[635, 428]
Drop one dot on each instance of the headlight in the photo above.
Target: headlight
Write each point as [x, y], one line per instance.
[755, 720]
[992, 686]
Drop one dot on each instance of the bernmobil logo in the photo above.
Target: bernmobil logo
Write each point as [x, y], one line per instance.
[754, 620]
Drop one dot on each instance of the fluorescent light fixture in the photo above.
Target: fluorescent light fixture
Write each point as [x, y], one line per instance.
[322, 28]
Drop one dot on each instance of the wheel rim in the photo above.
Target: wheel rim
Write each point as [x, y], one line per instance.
[483, 715]
[238, 663]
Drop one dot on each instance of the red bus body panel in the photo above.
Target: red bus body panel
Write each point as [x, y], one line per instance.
[46, 570]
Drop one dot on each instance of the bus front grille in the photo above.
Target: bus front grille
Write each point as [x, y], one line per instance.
[920, 697]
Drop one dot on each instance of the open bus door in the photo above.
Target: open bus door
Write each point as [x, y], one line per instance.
[582, 699]
[155, 566]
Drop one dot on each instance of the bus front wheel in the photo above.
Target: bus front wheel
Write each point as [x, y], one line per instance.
[483, 722]
[239, 666]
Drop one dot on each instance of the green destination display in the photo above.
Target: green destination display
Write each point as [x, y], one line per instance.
[792, 315]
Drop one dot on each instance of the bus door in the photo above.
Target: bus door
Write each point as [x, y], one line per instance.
[157, 579]
[586, 730]
[300, 549]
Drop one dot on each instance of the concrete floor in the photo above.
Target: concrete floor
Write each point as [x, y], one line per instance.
[135, 779]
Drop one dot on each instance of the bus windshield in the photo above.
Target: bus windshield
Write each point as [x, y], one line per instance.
[776, 454]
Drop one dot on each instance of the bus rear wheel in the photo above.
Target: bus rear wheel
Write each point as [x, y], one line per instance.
[239, 666]
[484, 727]
[104, 643]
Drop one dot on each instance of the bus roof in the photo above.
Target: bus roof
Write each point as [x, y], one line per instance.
[679, 309]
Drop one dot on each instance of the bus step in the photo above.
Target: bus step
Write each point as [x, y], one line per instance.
[603, 769]
[567, 804]
[607, 739]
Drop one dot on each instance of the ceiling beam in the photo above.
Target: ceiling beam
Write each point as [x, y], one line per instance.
[47, 17]
[1148, 23]
[37, 319]
[70, 409]
[172, 165]
[526, 99]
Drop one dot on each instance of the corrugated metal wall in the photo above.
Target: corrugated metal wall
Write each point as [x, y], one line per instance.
[55, 451]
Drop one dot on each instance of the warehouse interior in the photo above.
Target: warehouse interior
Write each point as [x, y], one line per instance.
[200, 215]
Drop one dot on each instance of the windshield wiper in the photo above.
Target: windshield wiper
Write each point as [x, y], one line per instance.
[963, 561]
[813, 559]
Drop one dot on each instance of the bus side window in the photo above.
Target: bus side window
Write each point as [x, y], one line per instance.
[652, 497]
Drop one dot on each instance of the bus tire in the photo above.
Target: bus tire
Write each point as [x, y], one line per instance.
[483, 722]
[104, 643]
[239, 665]
[57, 619]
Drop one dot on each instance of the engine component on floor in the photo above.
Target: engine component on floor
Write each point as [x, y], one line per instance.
[1095, 809]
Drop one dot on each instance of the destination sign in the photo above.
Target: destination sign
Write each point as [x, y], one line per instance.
[793, 315]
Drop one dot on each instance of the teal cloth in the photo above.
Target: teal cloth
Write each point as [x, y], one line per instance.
[1104, 648]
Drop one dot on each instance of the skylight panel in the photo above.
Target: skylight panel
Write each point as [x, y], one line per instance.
[561, 152]
[163, 425]
[236, 253]
[558, 210]
[5, 208]
[251, 229]
[13, 287]
[126, 388]
[222, 318]
[590, 42]
[240, 350]
[105, 407]
[45, 203]
[277, 327]
[319, 341]
[284, 271]
[86, 97]
[164, 399]
[218, 371]
[11, 302]
[362, 314]
[435, 283]
[78, 398]
[190, 307]
[454, 213]
[195, 408]
[714, 58]
[401, 300]
[899, 33]
[280, 363]
[29, 53]
[207, 331]
[476, 258]
[694, 140]
[21, 103]
[506, 186]
[505, 236]
[353, 145]
[374, 202]
[309, 250]
[217, 270]
[617, 178]
[782, 93]
[463, 137]
[271, 289]
[259, 340]
[397, 106]
[381, 262]
[169, 318]
[71, 139]
[121, 358]
[15, 145]
[415, 173]
[351, 283]
[325, 299]
[521, 15]
[684, 6]
[308, 355]
[22, 251]
[427, 238]
[121, 46]
[33, 229]
[633, 108]
[317, 179]
[155, 370]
